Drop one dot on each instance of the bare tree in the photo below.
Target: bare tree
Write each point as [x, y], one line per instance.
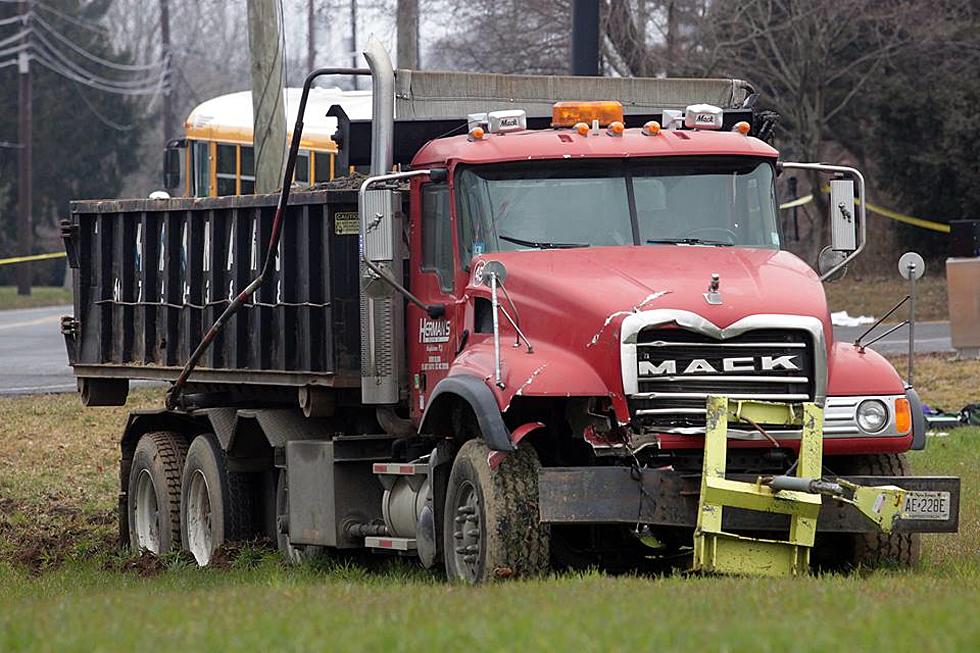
[811, 61]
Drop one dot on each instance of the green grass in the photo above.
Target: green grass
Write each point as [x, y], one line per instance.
[40, 296]
[875, 296]
[85, 596]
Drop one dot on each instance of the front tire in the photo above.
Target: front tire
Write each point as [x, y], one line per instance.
[153, 493]
[491, 526]
[215, 504]
[874, 549]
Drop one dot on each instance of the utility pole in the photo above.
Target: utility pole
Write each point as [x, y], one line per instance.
[168, 107]
[311, 36]
[24, 184]
[407, 21]
[268, 114]
[585, 37]
[353, 40]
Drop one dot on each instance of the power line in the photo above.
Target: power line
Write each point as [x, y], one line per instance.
[95, 58]
[16, 37]
[53, 53]
[14, 19]
[108, 122]
[80, 22]
[61, 70]
[14, 50]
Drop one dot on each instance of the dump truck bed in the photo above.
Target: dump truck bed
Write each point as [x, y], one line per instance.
[150, 276]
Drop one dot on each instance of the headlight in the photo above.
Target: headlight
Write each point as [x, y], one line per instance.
[872, 415]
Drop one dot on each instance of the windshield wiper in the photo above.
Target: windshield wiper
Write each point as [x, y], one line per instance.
[688, 241]
[537, 245]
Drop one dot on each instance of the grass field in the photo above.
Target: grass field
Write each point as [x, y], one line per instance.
[40, 296]
[876, 296]
[63, 586]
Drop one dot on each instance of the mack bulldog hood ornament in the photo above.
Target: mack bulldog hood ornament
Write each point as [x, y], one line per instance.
[713, 296]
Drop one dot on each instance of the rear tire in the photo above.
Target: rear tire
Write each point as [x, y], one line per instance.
[874, 549]
[491, 526]
[293, 554]
[215, 505]
[153, 493]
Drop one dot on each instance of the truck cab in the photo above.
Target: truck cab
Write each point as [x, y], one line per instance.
[644, 271]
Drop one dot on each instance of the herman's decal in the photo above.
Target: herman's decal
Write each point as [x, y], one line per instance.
[433, 330]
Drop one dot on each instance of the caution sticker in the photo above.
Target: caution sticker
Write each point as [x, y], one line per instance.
[346, 223]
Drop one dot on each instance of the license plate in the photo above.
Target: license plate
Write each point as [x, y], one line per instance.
[924, 504]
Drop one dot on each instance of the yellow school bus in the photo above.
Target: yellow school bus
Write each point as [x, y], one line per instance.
[216, 157]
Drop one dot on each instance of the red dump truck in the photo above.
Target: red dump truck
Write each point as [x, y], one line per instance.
[497, 359]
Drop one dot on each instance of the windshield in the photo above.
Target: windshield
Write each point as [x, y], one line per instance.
[722, 201]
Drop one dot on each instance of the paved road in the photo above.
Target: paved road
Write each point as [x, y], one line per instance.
[33, 360]
[32, 351]
[930, 337]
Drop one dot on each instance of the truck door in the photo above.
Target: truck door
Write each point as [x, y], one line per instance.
[432, 341]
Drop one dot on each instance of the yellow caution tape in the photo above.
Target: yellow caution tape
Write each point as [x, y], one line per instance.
[908, 219]
[880, 210]
[799, 201]
[28, 259]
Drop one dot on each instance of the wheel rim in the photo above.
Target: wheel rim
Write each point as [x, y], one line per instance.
[199, 535]
[147, 514]
[467, 532]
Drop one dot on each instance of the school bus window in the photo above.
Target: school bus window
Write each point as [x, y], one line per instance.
[302, 172]
[226, 169]
[248, 170]
[321, 169]
[202, 169]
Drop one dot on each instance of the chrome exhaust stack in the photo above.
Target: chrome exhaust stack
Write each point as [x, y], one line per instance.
[382, 320]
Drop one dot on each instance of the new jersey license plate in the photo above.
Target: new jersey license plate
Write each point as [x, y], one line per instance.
[924, 504]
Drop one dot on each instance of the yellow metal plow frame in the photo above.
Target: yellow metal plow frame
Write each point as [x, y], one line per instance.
[799, 496]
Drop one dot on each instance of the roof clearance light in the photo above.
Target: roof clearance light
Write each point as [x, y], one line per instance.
[582, 128]
[509, 120]
[651, 128]
[566, 114]
[616, 128]
[742, 128]
[477, 134]
[703, 116]
[476, 120]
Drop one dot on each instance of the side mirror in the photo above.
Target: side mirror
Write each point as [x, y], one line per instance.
[829, 259]
[171, 165]
[843, 224]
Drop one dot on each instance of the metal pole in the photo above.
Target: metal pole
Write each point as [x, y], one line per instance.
[911, 320]
[496, 330]
[25, 183]
[353, 40]
[310, 35]
[796, 222]
[168, 109]
[585, 37]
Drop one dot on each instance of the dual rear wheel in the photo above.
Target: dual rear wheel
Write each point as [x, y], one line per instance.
[184, 497]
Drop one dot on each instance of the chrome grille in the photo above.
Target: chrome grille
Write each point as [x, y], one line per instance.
[677, 369]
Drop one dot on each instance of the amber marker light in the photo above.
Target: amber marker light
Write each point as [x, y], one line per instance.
[477, 134]
[903, 415]
[742, 128]
[616, 128]
[567, 114]
[582, 129]
[651, 128]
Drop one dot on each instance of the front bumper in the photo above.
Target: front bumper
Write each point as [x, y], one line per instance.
[620, 495]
